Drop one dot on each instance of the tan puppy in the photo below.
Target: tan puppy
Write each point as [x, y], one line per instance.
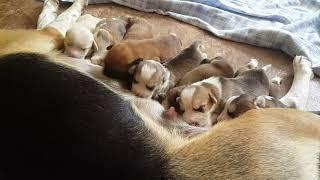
[108, 32]
[138, 29]
[238, 105]
[79, 39]
[201, 102]
[151, 80]
[122, 55]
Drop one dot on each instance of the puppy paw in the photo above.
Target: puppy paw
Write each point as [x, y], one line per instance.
[302, 64]
[267, 67]
[253, 63]
[276, 80]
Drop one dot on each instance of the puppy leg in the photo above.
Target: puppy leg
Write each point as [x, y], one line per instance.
[66, 19]
[252, 64]
[275, 87]
[298, 94]
[48, 13]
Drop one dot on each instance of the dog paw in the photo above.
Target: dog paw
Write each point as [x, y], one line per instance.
[276, 80]
[302, 65]
[252, 64]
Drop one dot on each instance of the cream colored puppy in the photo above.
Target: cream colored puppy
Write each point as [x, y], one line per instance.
[79, 38]
[108, 32]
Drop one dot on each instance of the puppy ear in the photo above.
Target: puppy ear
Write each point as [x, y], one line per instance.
[260, 102]
[205, 61]
[134, 65]
[95, 45]
[212, 92]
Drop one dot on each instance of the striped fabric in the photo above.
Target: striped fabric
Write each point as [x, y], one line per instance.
[292, 26]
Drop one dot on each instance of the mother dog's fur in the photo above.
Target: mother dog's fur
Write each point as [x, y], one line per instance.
[58, 123]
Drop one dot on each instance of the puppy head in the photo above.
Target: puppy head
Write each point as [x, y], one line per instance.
[103, 42]
[196, 103]
[78, 42]
[149, 78]
[237, 105]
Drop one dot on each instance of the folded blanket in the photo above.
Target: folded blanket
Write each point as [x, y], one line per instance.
[292, 26]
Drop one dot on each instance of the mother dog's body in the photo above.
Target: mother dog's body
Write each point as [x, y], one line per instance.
[59, 123]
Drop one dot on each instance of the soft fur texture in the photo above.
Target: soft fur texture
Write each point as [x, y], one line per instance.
[122, 55]
[59, 123]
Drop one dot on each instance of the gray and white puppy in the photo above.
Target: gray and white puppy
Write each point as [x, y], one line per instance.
[108, 32]
[152, 79]
[200, 103]
[217, 66]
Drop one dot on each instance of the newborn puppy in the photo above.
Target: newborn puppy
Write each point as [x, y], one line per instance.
[138, 29]
[200, 103]
[237, 105]
[148, 72]
[108, 32]
[79, 38]
[214, 67]
[120, 58]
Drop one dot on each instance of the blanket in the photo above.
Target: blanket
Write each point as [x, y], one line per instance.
[292, 26]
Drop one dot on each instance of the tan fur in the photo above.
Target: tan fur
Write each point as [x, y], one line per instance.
[41, 41]
[170, 72]
[216, 67]
[260, 144]
[120, 57]
[138, 29]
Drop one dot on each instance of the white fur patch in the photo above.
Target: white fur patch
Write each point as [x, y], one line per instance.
[147, 71]
[188, 93]
[215, 81]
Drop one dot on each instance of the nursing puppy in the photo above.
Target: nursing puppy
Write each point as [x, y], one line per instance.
[200, 103]
[215, 67]
[108, 32]
[79, 38]
[120, 58]
[153, 80]
[238, 105]
[138, 29]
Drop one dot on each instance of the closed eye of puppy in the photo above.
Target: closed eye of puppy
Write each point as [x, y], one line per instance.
[108, 32]
[79, 38]
[185, 61]
[200, 103]
[237, 105]
[122, 55]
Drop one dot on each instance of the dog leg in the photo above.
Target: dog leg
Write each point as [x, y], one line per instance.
[66, 19]
[298, 94]
[48, 13]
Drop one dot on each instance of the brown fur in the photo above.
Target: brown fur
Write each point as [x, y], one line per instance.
[185, 61]
[260, 144]
[138, 29]
[215, 67]
[120, 57]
